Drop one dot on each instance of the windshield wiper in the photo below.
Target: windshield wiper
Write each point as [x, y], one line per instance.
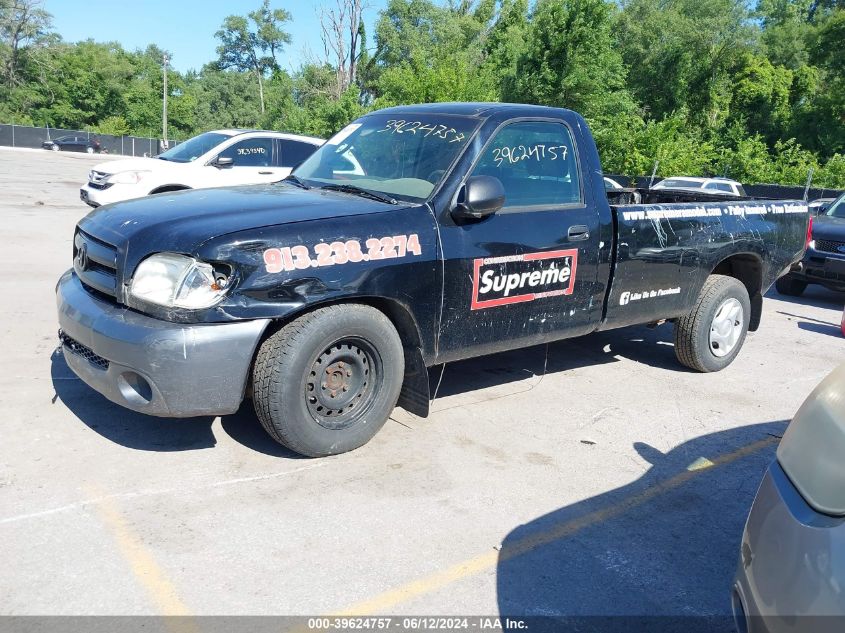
[358, 191]
[296, 181]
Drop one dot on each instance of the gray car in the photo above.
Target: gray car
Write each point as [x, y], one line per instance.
[791, 572]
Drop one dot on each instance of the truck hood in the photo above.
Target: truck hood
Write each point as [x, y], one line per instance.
[829, 228]
[135, 164]
[181, 221]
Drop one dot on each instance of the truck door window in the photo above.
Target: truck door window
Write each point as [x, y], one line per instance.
[535, 160]
[251, 152]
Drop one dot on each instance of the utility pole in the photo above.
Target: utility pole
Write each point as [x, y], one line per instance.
[164, 105]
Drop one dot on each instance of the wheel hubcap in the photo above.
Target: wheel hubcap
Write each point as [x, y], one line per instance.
[341, 384]
[726, 327]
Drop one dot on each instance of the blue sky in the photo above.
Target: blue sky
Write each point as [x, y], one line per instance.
[186, 27]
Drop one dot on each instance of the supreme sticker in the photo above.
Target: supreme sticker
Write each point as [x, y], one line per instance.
[499, 281]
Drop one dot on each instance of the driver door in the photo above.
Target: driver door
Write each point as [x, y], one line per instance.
[527, 273]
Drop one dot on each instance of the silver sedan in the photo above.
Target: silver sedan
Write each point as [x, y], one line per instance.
[791, 572]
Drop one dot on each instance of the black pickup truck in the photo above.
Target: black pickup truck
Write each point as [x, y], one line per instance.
[415, 236]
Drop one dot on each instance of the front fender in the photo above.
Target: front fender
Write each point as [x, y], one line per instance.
[282, 271]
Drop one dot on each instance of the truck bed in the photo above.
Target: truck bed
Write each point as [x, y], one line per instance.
[667, 246]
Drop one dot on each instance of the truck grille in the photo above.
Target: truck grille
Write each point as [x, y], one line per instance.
[77, 348]
[95, 263]
[830, 246]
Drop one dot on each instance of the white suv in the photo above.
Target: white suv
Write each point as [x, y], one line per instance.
[212, 159]
[723, 186]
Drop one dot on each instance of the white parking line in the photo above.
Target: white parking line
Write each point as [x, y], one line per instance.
[146, 493]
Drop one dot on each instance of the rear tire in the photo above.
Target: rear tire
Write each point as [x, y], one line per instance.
[90, 150]
[711, 335]
[326, 382]
[790, 287]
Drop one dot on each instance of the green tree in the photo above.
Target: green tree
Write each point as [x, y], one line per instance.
[677, 148]
[827, 53]
[762, 97]
[23, 24]
[506, 42]
[786, 26]
[832, 175]
[427, 52]
[682, 54]
[570, 60]
[114, 125]
[87, 84]
[253, 50]
[224, 98]
[702, 86]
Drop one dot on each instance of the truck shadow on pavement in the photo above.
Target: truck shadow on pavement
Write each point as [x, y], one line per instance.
[664, 545]
[649, 346]
[148, 433]
[142, 432]
[817, 297]
[814, 296]
[820, 327]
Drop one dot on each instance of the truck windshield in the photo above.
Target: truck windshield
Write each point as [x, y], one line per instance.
[403, 157]
[837, 208]
[193, 148]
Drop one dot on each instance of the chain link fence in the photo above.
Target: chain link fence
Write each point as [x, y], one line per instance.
[27, 136]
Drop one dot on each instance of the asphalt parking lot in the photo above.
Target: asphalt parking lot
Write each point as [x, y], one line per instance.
[613, 482]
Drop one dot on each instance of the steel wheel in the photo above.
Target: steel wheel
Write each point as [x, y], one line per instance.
[342, 383]
[726, 327]
[326, 382]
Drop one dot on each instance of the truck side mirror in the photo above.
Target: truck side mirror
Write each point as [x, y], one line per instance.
[222, 162]
[479, 197]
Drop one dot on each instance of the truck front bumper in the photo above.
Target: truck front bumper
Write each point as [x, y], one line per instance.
[154, 366]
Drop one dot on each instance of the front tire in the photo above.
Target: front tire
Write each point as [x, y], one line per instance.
[326, 382]
[790, 287]
[90, 150]
[56, 148]
[710, 336]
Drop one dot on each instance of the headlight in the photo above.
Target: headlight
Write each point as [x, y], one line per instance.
[177, 281]
[126, 177]
[813, 445]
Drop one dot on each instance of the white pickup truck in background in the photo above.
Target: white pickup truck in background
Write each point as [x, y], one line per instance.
[212, 159]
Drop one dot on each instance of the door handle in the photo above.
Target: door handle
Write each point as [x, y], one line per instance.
[266, 173]
[578, 233]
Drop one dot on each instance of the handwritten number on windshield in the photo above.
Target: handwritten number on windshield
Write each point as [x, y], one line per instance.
[401, 126]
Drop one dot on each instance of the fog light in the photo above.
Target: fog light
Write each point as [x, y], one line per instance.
[135, 388]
